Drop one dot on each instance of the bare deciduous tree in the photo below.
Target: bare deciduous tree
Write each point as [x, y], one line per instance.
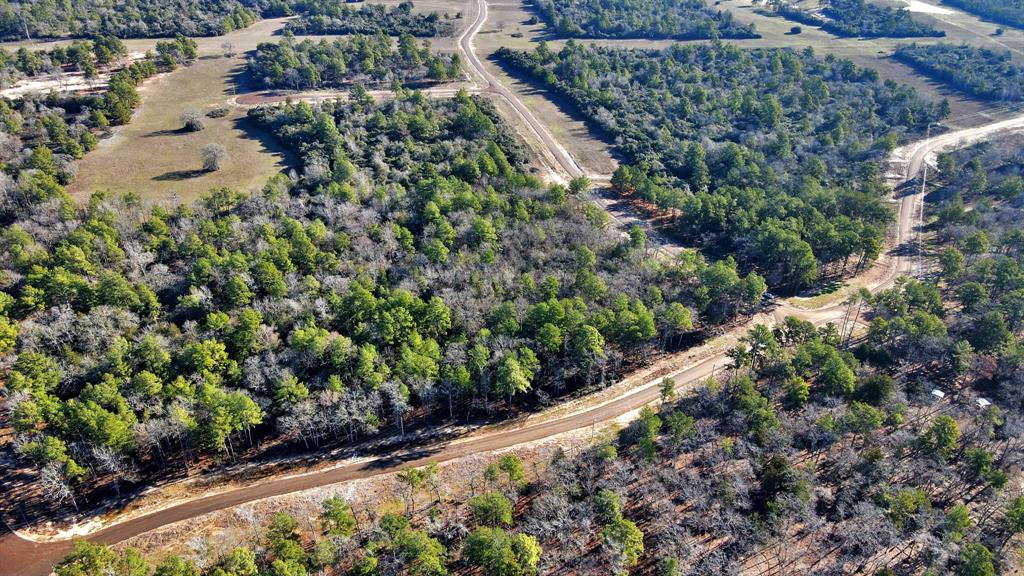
[214, 157]
[54, 485]
[192, 120]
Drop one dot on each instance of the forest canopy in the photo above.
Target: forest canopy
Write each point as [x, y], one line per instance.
[360, 59]
[411, 265]
[333, 17]
[680, 19]
[770, 155]
[976, 71]
[860, 18]
[21, 19]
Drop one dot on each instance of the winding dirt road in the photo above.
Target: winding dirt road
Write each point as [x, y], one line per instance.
[23, 557]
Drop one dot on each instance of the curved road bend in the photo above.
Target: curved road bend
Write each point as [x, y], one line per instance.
[22, 557]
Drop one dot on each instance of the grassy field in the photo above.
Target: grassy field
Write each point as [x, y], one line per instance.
[152, 157]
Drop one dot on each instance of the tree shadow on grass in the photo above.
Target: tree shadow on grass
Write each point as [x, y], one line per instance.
[249, 130]
[241, 81]
[177, 175]
[532, 87]
[168, 132]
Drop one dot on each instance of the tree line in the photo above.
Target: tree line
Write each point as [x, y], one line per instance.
[332, 17]
[34, 19]
[770, 155]
[860, 19]
[38, 19]
[82, 56]
[1010, 12]
[408, 264]
[679, 19]
[977, 71]
[365, 60]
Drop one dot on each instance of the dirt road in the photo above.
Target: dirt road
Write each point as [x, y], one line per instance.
[23, 557]
[553, 150]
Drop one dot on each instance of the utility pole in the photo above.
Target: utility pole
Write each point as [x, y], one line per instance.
[920, 208]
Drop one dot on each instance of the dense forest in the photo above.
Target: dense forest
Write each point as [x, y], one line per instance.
[814, 452]
[410, 266]
[681, 19]
[859, 18]
[333, 17]
[825, 450]
[364, 60]
[1010, 12]
[770, 155]
[21, 19]
[977, 71]
[979, 252]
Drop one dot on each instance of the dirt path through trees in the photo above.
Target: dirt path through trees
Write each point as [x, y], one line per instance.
[25, 557]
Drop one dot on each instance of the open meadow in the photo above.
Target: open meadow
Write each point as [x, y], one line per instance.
[151, 156]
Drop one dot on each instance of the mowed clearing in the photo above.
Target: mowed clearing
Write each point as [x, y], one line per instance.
[151, 156]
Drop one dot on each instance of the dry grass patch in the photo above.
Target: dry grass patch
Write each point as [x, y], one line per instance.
[153, 157]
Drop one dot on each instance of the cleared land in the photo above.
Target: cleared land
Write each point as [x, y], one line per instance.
[152, 157]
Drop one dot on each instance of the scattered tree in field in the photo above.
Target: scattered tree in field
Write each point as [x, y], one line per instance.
[214, 157]
[192, 120]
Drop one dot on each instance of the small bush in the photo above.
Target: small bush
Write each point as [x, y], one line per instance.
[192, 120]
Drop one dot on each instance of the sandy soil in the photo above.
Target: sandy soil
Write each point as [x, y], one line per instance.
[917, 6]
[64, 82]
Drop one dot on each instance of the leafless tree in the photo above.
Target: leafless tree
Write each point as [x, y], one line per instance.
[55, 485]
[214, 157]
[192, 120]
[116, 464]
